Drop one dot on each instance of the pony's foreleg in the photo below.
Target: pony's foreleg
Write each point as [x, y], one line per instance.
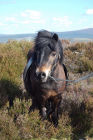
[55, 114]
[55, 117]
[33, 106]
[43, 112]
[43, 109]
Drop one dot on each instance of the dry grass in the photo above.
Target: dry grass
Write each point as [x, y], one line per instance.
[76, 110]
[80, 57]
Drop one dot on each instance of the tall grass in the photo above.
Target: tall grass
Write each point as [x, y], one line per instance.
[77, 107]
[81, 56]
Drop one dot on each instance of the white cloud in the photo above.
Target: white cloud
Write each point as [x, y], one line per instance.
[89, 12]
[2, 24]
[31, 14]
[62, 21]
[25, 22]
[41, 21]
[82, 21]
[11, 19]
[27, 17]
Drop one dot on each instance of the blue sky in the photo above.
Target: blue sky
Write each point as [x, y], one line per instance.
[29, 16]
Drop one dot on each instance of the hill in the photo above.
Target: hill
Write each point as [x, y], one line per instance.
[6, 37]
[79, 35]
[85, 33]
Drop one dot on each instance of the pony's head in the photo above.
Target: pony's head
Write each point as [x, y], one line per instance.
[48, 52]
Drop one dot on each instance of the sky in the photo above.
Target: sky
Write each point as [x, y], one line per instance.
[30, 16]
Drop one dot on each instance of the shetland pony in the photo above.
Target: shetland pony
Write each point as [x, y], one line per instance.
[43, 62]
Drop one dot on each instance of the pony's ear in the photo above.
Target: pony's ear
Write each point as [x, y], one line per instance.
[55, 37]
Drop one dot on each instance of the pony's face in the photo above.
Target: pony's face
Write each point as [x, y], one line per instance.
[46, 57]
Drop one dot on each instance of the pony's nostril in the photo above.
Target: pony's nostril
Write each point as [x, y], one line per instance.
[40, 75]
[43, 75]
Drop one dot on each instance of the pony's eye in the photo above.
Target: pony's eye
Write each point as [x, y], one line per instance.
[53, 53]
[51, 47]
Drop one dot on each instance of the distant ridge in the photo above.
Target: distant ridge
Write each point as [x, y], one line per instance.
[6, 37]
[70, 35]
[84, 33]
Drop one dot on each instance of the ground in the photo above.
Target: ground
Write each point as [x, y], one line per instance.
[76, 109]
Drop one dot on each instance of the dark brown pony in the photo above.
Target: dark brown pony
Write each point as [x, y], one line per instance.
[45, 61]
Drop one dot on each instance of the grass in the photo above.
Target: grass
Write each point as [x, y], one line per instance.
[81, 56]
[76, 110]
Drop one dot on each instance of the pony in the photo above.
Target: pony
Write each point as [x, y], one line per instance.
[44, 64]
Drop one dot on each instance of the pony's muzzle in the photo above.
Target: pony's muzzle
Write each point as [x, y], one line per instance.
[41, 75]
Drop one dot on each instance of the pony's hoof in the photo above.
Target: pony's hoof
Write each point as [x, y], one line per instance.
[31, 109]
[44, 114]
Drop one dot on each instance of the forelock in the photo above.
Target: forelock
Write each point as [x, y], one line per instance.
[44, 38]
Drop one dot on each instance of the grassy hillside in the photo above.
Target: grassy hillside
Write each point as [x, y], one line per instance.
[76, 110]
